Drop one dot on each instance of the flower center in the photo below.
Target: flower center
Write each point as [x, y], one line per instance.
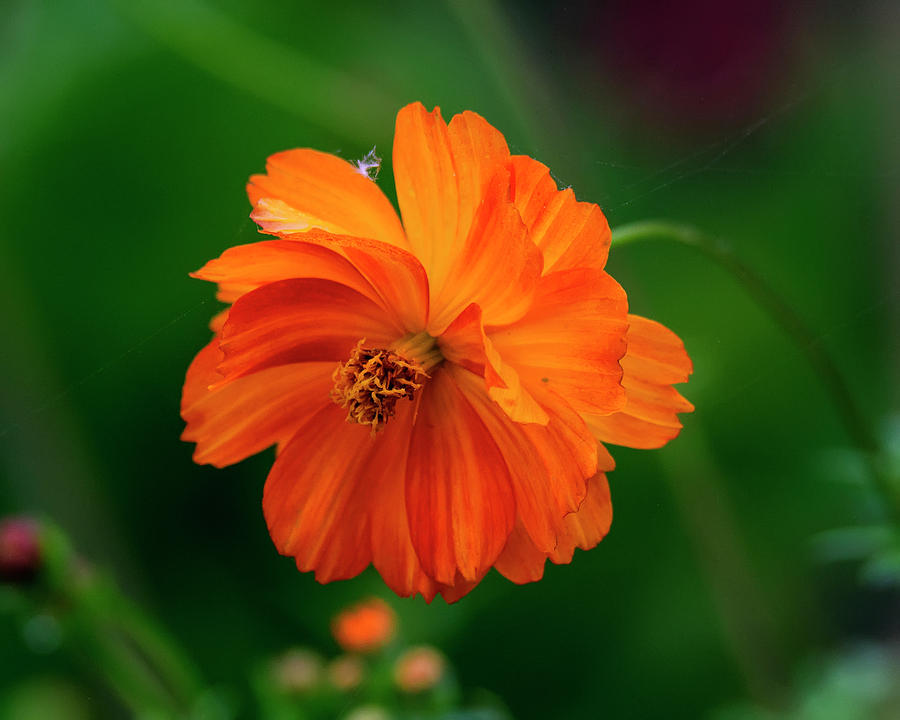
[373, 380]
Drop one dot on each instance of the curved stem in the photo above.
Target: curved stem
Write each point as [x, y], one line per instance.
[855, 422]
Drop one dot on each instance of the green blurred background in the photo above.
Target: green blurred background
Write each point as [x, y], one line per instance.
[127, 132]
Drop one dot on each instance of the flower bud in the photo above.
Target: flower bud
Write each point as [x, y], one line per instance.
[419, 669]
[297, 670]
[346, 672]
[365, 627]
[20, 550]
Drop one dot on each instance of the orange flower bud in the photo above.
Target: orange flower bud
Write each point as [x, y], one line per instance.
[365, 627]
[419, 669]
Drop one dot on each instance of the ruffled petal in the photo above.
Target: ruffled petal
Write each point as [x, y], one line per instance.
[295, 321]
[466, 344]
[497, 266]
[655, 359]
[588, 526]
[571, 340]
[252, 413]
[521, 561]
[305, 189]
[386, 275]
[318, 494]
[396, 275]
[441, 176]
[547, 474]
[392, 549]
[569, 233]
[243, 268]
[458, 492]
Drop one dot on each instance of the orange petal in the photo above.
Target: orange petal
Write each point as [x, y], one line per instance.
[246, 267]
[396, 275]
[392, 549]
[571, 340]
[588, 526]
[307, 189]
[217, 321]
[385, 274]
[295, 321]
[242, 418]
[460, 588]
[466, 344]
[655, 358]
[441, 174]
[497, 266]
[548, 478]
[567, 449]
[521, 562]
[458, 492]
[317, 496]
[569, 233]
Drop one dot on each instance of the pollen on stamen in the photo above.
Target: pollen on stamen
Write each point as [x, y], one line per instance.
[371, 382]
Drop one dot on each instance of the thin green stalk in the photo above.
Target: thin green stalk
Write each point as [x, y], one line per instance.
[748, 620]
[520, 80]
[265, 68]
[141, 663]
[503, 57]
[146, 650]
[855, 422]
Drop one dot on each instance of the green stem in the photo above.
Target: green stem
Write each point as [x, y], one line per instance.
[146, 649]
[746, 614]
[259, 66]
[489, 31]
[854, 420]
[141, 663]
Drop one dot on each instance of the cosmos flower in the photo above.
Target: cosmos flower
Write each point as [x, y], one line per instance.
[438, 389]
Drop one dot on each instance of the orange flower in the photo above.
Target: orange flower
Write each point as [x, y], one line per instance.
[365, 627]
[436, 389]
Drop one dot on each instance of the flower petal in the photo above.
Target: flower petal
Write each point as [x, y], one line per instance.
[466, 344]
[246, 267]
[548, 477]
[589, 525]
[293, 321]
[571, 340]
[569, 233]
[655, 358]
[244, 417]
[522, 562]
[317, 496]
[307, 189]
[441, 176]
[458, 492]
[497, 239]
[396, 275]
[386, 275]
[392, 549]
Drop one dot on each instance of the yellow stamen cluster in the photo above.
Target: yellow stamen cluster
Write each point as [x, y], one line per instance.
[371, 382]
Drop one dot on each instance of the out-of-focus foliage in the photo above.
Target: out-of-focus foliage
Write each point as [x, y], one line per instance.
[127, 131]
[860, 684]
